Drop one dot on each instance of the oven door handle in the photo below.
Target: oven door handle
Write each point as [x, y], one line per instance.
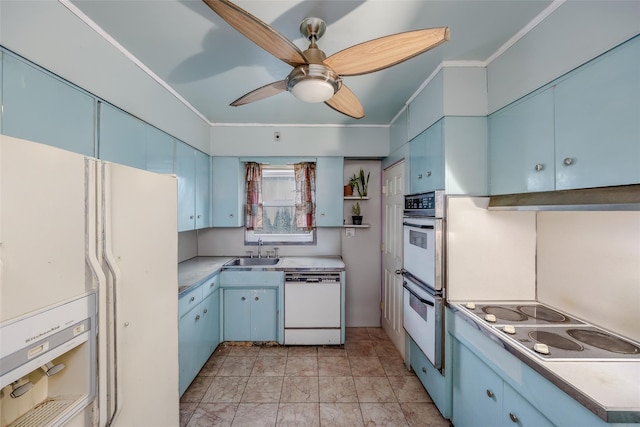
[422, 300]
[408, 224]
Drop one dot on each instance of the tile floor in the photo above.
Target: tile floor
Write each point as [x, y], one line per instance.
[361, 383]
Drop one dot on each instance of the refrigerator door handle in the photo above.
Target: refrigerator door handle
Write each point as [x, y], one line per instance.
[116, 280]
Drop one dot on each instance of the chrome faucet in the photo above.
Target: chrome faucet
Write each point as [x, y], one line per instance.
[260, 248]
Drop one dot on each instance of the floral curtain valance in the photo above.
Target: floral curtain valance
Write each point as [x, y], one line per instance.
[253, 182]
[305, 174]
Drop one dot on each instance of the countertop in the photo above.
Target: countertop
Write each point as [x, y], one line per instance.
[611, 389]
[196, 271]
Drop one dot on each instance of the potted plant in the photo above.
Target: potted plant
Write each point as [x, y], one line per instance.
[356, 218]
[348, 189]
[360, 183]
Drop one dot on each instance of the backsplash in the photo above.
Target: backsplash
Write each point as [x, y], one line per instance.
[588, 264]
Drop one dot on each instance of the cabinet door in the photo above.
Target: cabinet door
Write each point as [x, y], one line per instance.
[264, 316]
[597, 122]
[477, 390]
[65, 116]
[237, 315]
[186, 173]
[202, 197]
[329, 191]
[417, 164]
[518, 411]
[160, 151]
[208, 339]
[187, 348]
[433, 172]
[122, 138]
[227, 192]
[521, 146]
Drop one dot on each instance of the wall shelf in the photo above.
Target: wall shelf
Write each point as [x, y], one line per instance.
[356, 198]
[356, 226]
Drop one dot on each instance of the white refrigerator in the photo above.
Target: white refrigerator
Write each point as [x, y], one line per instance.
[88, 291]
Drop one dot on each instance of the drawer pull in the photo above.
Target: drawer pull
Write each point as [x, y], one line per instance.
[197, 317]
[424, 370]
[490, 393]
[205, 311]
[192, 299]
[257, 298]
[243, 298]
[513, 417]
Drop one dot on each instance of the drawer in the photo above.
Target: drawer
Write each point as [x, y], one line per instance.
[251, 278]
[210, 286]
[189, 300]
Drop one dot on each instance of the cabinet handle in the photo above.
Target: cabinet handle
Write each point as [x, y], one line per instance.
[568, 161]
[211, 285]
[198, 217]
[191, 217]
[257, 298]
[192, 299]
[513, 417]
[205, 311]
[424, 370]
[419, 176]
[243, 298]
[539, 167]
[230, 215]
[197, 317]
[427, 173]
[490, 393]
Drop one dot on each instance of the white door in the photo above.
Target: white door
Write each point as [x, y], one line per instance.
[393, 202]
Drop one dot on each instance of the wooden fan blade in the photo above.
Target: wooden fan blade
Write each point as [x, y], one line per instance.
[346, 102]
[384, 52]
[261, 93]
[258, 32]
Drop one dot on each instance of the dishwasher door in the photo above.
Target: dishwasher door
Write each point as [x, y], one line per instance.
[312, 309]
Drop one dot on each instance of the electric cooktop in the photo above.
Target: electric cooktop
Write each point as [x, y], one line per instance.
[549, 334]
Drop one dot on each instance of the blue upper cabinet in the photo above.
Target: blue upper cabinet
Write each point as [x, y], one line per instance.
[186, 172]
[122, 138]
[227, 191]
[417, 159]
[160, 151]
[202, 190]
[521, 148]
[64, 116]
[598, 121]
[329, 191]
[426, 160]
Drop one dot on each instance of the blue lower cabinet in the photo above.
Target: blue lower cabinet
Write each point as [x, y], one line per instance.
[250, 315]
[432, 380]
[187, 348]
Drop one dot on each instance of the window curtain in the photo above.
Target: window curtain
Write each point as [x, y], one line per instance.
[305, 174]
[253, 182]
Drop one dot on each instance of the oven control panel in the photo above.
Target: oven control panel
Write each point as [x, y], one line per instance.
[425, 204]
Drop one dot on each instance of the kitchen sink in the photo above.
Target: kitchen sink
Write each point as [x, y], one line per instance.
[252, 262]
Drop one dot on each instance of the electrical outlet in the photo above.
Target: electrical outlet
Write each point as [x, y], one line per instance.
[276, 136]
[350, 232]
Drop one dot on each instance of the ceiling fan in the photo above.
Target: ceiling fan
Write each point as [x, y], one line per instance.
[316, 77]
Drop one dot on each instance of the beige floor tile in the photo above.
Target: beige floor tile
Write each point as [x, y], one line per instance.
[366, 366]
[298, 414]
[300, 390]
[301, 366]
[186, 411]
[213, 414]
[374, 389]
[197, 389]
[225, 390]
[423, 415]
[235, 366]
[256, 415]
[244, 351]
[262, 390]
[337, 389]
[378, 334]
[268, 351]
[356, 334]
[409, 389]
[333, 367]
[386, 349]
[269, 366]
[341, 415]
[394, 366]
[212, 366]
[360, 349]
[382, 414]
[332, 351]
[306, 350]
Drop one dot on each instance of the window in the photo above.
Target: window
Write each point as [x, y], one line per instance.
[279, 209]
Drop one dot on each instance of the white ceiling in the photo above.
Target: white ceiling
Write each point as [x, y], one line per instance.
[210, 64]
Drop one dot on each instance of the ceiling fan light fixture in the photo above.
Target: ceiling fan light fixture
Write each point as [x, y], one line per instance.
[313, 83]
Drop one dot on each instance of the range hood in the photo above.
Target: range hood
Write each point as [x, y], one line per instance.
[620, 198]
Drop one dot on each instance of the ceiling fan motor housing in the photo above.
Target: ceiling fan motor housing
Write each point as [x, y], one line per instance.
[313, 82]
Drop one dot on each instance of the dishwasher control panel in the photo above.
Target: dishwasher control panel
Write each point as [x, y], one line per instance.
[312, 277]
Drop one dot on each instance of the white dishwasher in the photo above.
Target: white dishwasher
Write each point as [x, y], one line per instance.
[312, 308]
